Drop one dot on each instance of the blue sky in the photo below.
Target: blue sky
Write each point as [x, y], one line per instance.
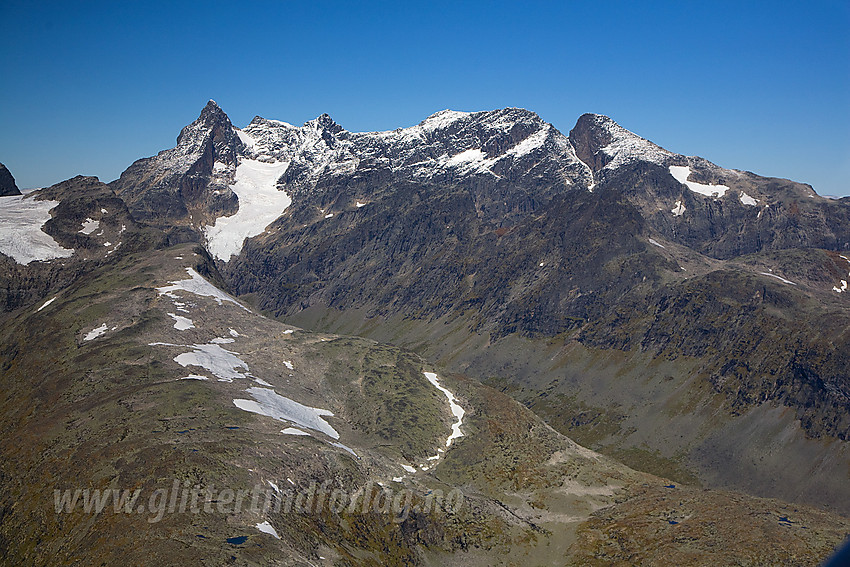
[89, 87]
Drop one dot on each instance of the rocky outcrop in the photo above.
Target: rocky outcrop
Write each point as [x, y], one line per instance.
[92, 223]
[7, 183]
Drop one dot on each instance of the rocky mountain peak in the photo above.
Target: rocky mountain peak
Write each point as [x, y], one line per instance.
[7, 183]
[324, 123]
[601, 143]
[211, 121]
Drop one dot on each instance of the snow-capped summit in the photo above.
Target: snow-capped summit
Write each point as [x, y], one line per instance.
[509, 161]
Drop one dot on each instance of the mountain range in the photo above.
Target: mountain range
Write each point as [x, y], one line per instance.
[642, 356]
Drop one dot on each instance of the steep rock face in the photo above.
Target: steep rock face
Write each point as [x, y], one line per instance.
[719, 212]
[7, 183]
[187, 184]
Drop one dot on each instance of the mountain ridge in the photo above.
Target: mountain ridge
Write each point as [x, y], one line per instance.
[689, 321]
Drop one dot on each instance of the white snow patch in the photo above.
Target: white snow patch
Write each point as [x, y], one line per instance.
[408, 468]
[199, 286]
[442, 119]
[293, 431]
[345, 448]
[468, 156]
[531, 143]
[221, 363]
[679, 209]
[398, 478]
[841, 289]
[783, 280]
[181, 323]
[289, 331]
[457, 411]
[260, 203]
[288, 364]
[95, 333]
[329, 215]
[653, 241]
[267, 528]
[681, 173]
[358, 204]
[21, 237]
[222, 341]
[194, 377]
[89, 226]
[270, 403]
[747, 200]
[273, 485]
[46, 303]
[233, 333]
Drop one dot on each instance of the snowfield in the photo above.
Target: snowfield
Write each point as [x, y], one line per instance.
[681, 173]
[457, 411]
[220, 362]
[260, 204]
[21, 237]
[199, 286]
[270, 403]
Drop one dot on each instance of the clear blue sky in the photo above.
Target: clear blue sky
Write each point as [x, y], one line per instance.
[763, 86]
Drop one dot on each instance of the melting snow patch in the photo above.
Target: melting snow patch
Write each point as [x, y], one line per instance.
[89, 226]
[681, 174]
[21, 237]
[293, 431]
[468, 156]
[199, 286]
[457, 411]
[679, 209]
[270, 403]
[267, 528]
[747, 200]
[653, 241]
[260, 203]
[233, 333]
[46, 303]
[783, 280]
[221, 363]
[345, 448]
[95, 333]
[181, 323]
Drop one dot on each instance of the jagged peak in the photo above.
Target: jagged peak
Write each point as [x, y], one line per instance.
[601, 143]
[324, 122]
[211, 116]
